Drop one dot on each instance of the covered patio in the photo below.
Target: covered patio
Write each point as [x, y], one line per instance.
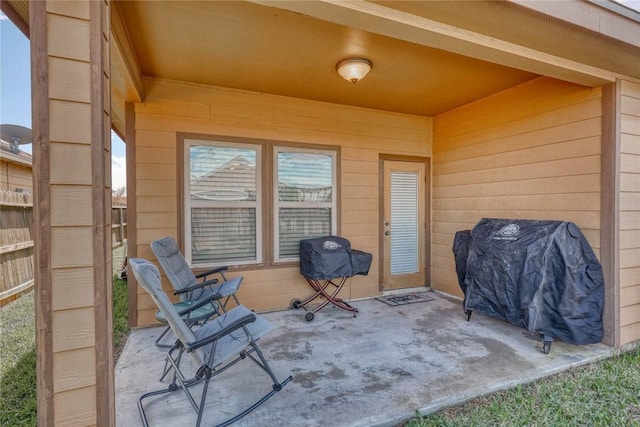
[514, 109]
[377, 369]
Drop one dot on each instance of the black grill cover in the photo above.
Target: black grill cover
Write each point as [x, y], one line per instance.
[331, 257]
[541, 275]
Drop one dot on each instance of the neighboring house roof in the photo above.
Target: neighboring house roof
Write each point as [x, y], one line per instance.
[19, 157]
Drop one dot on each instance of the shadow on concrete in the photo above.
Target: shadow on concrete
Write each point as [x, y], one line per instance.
[377, 369]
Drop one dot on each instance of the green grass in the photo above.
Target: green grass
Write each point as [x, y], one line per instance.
[18, 363]
[18, 358]
[120, 316]
[606, 393]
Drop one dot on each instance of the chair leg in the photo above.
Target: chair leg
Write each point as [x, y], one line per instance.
[158, 344]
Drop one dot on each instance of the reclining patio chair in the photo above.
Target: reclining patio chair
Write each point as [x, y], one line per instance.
[215, 346]
[190, 287]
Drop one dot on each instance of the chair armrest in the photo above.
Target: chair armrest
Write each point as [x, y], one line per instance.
[196, 287]
[243, 321]
[201, 303]
[214, 271]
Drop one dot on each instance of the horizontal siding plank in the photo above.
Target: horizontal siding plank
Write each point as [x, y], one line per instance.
[363, 179]
[75, 408]
[174, 108]
[360, 154]
[73, 329]
[146, 187]
[629, 124]
[71, 247]
[630, 163]
[630, 106]
[148, 235]
[580, 130]
[155, 139]
[74, 369]
[630, 182]
[71, 205]
[157, 219]
[556, 185]
[73, 288]
[520, 173]
[153, 155]
[557, 119]
[357, 166]
[533, 97]
[70, 122]
[629, 333]
[630, 88]
[68, 38]
[565, 150]
[630, 315]
[629, 220]
[630, 239]
[584, 219]
[630, 296]
[630, 144]
[533, 202]
[73, 9]
[154, 171]
[71, 164]
[630, 258]
[630, 202]
[349, 192]
[156, 204]
[629, 277]
[69, 80]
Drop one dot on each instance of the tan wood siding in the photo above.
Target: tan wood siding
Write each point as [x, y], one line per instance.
[629, 212]
[72, 195]
[15, 177]
[530, 152]
[362, 135]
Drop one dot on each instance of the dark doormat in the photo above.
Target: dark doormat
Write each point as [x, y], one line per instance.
[404, 299]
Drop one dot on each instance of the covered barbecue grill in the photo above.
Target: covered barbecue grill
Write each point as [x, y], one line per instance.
[326, 263]
[540, 275]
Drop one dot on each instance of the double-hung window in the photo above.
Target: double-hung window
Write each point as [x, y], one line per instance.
[304, 198]
[223, 206]
[226, 220]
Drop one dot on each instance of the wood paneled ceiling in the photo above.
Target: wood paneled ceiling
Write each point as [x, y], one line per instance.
[258, 48]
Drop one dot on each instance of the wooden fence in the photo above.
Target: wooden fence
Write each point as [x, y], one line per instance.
[16, 241]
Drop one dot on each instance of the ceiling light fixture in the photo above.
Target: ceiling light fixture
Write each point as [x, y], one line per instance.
[353, 69]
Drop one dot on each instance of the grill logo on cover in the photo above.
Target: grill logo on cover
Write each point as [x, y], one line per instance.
[508, 232]
[330, 245]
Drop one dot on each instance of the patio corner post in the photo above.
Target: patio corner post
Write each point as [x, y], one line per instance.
[610, 211]
[71, 151]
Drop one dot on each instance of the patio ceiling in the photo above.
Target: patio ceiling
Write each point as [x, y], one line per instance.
[259, 48]
[428, 56]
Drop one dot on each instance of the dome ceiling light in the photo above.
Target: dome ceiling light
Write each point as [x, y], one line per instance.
[354, 69]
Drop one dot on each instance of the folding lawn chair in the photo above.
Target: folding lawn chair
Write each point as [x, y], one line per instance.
[189, 287]
[215, 346]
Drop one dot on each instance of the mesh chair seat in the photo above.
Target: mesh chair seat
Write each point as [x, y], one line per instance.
[215, 347]
[192, 316]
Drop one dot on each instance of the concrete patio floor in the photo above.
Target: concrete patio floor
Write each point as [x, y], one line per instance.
[373, 370]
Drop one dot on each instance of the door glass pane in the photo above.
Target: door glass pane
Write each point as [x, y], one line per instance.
[404, 222]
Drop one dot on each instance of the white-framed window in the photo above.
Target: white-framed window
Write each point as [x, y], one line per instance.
[223, 203]
[304, 201]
